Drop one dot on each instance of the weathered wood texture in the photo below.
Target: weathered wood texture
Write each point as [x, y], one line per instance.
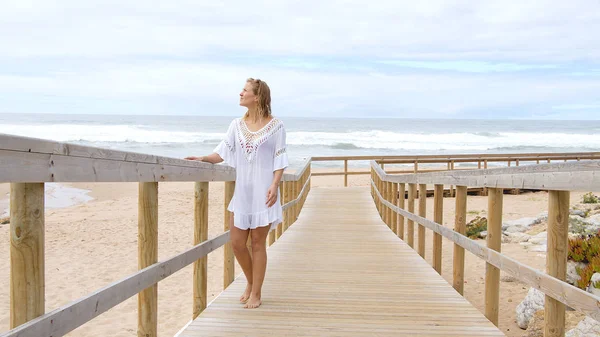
[562, 291]
[65, 319]
[147, 256]
[312, 287]
[576, 176]
[228, 258]
[200, 281]
[494, 241]
[460, 226]
[556, 259]
[27, 264]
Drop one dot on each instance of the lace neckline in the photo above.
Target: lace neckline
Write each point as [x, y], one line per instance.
[243, 122]
[250, 141]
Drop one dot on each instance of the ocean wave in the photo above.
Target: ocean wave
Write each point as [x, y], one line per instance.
[132, 136]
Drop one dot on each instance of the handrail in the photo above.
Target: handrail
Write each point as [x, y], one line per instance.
[557, 289]
[33, 162]
[24, 159]
[67, 318]
[578, 176]
[481, 156]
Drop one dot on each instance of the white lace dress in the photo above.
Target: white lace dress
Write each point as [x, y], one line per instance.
[255, 156]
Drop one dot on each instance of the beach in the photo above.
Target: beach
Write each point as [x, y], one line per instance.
[94, 243]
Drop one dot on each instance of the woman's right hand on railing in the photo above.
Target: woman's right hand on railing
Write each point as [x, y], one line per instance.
[212, 158]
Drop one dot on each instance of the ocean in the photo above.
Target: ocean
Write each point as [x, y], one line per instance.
[181, 136]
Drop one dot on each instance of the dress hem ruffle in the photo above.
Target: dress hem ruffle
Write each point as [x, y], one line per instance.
[246, 221]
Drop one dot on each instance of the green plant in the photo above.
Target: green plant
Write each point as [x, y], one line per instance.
[586, 249]
[590, 198]
[475, 226]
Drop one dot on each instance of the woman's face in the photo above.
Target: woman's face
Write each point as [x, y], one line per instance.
[247, 96]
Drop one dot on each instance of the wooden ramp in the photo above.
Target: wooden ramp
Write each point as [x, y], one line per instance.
[339, 271]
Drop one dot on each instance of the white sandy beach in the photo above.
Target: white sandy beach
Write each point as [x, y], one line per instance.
[93, 244]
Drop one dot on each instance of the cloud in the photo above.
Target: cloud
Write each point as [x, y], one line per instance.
[393, 58]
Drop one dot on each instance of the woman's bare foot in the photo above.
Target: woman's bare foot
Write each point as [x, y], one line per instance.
[246, 295]
[253, 302]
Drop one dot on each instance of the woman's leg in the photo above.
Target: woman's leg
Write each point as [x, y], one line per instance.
[259, 264]
[240, 250]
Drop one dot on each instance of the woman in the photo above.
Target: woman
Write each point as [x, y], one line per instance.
[256, 146]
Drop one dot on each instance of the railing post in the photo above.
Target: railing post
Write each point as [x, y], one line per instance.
[27, 230]
[394, 202]
[460, 226]
[200, 235]
[422, 213]
[346, 173]
[228, 258]
[401, 202]
[410, 231]
[438, 214]
[147, 256]
[386, 197]
[286, 214]
[416, 169]
[452, 191]
[494, 236]
[556, 259]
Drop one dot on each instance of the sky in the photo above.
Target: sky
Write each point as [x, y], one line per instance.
[408, 59]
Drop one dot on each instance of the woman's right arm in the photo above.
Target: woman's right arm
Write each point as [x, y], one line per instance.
[212, 158]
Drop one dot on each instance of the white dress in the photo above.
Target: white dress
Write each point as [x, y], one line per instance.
[255, 156]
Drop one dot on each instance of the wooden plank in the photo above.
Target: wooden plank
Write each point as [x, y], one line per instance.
[438, 214]
[200, 280]
[455, 156]
[556, 259]
[401, 202]
[576, 176]
[147, 256]
[410, 230]
[69, 317]
[228, 258]
[562, 291]
[460, 226]
[27, 247]
[331, 298]
[39, 167]
[394, 201]
[494, 241]
[422, 213]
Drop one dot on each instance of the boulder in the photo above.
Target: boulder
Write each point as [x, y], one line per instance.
[572, 276]
[520, 225]
[535, 327]
[483, 234]
[577, 212]
[588, 327]
[533, 302]
[539, 239]
[518, 237]
[591, 289]
[584, 226]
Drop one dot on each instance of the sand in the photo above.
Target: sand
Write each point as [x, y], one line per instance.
[93, 244]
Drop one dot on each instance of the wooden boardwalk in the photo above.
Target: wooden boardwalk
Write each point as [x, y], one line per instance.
[340, 271]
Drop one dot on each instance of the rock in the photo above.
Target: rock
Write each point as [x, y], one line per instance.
[578, 212]
[535, 327]
[483, 234]
[543, 216]
[533, 302]
[539, 239]
[517, 237]
[588, 327]
[579, 225]
[594, 220]
[572, 276]
[591, 289]
[519, 224]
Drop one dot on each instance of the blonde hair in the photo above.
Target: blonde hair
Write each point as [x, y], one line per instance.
[261, 89]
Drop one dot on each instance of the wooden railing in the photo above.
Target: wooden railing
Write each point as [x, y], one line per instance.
[449, 160]
[28, 163]
[557, 179]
